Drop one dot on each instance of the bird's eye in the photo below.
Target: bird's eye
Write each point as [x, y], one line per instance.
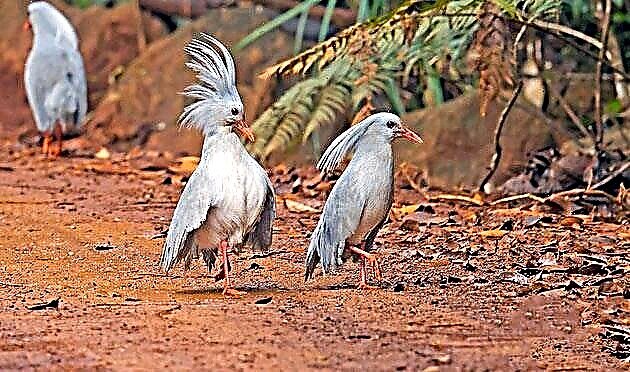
[234, 111]
[391, 124]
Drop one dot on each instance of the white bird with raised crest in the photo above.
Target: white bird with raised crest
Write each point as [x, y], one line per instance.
[229, 201]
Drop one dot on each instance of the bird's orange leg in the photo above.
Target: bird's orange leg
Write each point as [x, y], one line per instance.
[55, 150]
[367, 259]
[221, 274]
[227, 290]
[46, 143]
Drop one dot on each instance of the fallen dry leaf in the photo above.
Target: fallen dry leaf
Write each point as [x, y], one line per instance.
[405, 210]
[571, 221]
[413, 221]
[298, 207]
[496, 233]
[184, 165]
[103, 154]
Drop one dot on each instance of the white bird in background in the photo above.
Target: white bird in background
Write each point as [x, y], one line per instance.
[229, 200]
[54, 76]
[359, 203]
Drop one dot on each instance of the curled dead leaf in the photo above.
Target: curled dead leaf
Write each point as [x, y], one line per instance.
[496, 233]
[298, 207]
[398, 213]
[103, 154]
[184, 165]
[571, 221]
[413, 221]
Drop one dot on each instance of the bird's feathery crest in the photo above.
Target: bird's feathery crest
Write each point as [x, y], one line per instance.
[347, 142]
[216, 88]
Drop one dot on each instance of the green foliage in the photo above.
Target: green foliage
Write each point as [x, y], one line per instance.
[83, 4]
[276, 22]
[365, 9]
[417, 40]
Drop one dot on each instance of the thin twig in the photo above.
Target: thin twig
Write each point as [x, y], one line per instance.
[496, 158]
[550, 26]
[557, 30]
[519, 197]
[552, 196]
[569, 111]
[517, 39]
[458, 197]
[579, 192]
[611, 176]
[559, 132]
[599, 125]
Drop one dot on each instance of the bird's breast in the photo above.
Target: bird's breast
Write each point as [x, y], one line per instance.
[240, 192]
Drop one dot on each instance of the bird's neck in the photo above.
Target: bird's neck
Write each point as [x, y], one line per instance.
[223, 138]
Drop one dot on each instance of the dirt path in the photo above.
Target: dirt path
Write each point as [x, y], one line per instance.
[82, 230]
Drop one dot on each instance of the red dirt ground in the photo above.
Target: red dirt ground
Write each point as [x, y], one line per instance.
[451, 298]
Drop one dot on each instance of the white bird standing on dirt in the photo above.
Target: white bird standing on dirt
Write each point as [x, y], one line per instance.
[359, 203]
[54, 76]
[229, 200]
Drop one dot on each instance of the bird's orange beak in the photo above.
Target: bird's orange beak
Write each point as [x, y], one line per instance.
[242, 129]
[410, 135]
[27, 25]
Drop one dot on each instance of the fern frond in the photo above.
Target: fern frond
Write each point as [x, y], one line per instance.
[333, 101]
[409, 16]
[364, 61]
[357, 37]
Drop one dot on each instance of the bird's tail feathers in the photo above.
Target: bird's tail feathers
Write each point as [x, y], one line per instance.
[323, 249]
[176, 249]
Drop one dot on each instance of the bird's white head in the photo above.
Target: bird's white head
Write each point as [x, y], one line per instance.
[390, 126]
[45, 20]
[383, 124]
[218, 106]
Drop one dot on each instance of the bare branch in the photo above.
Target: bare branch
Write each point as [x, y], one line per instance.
[569, 111]
[611, 176]
[496, 158]
[599, 125]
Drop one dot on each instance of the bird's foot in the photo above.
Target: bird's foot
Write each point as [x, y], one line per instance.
[54, 150]
[219, 276]
[366, 287]
[231, 292]
[372, 261]
[46, 145]
[222, 274]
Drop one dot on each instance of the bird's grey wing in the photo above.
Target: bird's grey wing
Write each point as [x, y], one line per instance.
[37, 85]
[338, 221]
[191, 212]
[72, 92]
[79, 86]
[56, 87]
[260, 236]
[369, 239]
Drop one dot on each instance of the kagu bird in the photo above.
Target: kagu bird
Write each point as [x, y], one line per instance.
[229, 200]
[359, 203]
[54, 76]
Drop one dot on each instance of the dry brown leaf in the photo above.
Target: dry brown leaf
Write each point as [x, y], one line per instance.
[103, 154]
[298, 207]
[493, 233]
[184, 165]
[490, 55]
[571, 221]
[413, 221]
[403, 211]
